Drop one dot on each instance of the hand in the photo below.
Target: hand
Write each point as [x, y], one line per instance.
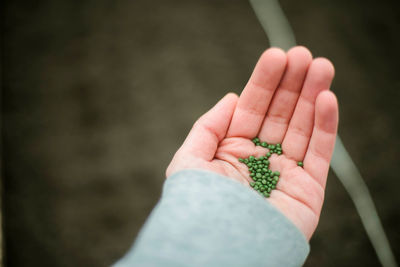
[287, 100]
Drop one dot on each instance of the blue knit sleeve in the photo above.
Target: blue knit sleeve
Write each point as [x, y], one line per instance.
[205, 219]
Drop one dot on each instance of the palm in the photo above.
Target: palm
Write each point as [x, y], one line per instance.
[279, 105]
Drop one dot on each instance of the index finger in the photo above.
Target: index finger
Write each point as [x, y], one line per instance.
[257, 94]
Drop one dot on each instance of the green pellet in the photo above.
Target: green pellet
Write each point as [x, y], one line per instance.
[300, 163]
[264, 180]
[264, 144]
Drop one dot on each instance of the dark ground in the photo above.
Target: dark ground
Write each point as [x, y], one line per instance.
[98, 95]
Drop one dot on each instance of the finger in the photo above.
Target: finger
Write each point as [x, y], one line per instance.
[297, 137]
[210, 129]
[284, 102]
[319, 152]
[254, 100]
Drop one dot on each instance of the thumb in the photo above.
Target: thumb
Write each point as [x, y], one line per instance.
[210, 129]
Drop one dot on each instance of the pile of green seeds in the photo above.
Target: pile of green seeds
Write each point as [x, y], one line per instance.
[264, 180]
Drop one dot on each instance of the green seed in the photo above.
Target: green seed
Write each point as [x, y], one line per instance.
[264, 144]
[264, 180]
[300, 163]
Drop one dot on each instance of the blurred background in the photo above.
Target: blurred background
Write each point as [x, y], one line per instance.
[98, 95]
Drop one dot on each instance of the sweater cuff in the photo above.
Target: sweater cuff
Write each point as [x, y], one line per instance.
[206, 219]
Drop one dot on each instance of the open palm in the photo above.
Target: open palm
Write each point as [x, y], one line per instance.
[287, 100]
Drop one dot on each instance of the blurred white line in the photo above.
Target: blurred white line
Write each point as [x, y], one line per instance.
[274, 23]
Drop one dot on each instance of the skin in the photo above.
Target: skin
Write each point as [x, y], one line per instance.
[286, 100]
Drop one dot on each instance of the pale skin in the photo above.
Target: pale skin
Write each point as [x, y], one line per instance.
[286, 100]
